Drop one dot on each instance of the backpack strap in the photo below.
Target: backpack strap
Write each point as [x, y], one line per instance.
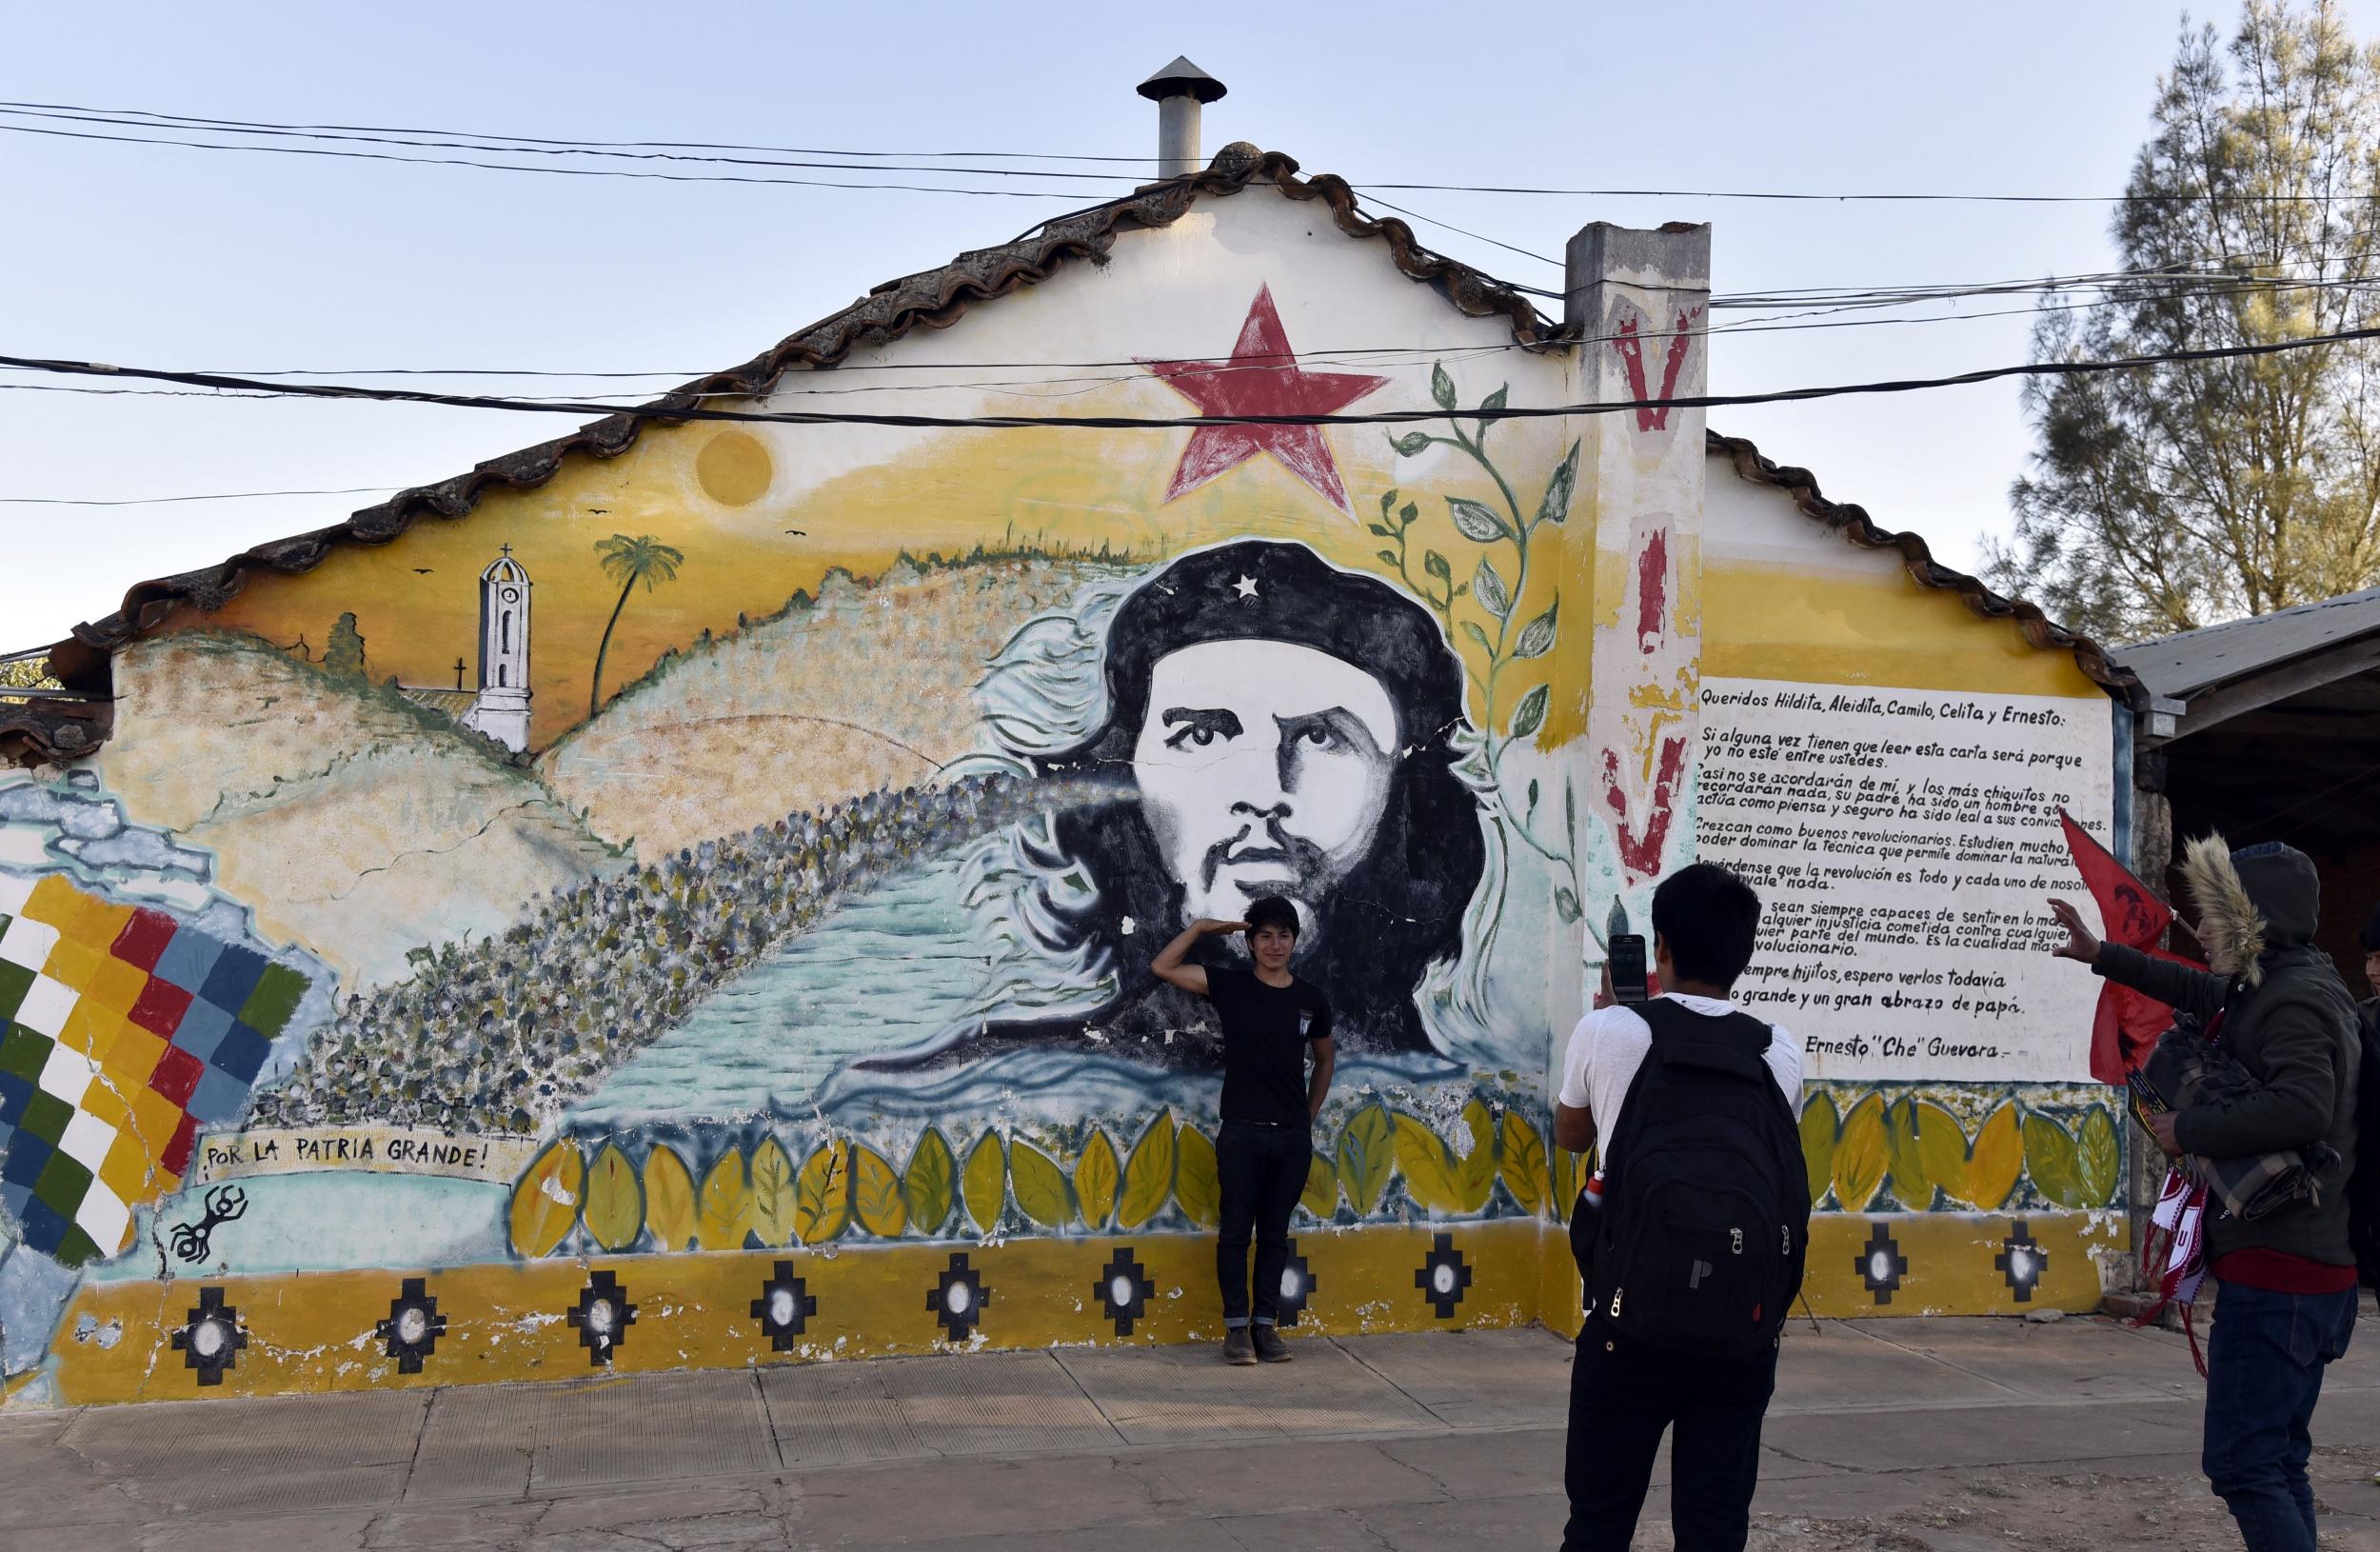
[1733, 1042]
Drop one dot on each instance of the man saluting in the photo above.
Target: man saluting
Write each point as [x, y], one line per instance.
[1270, 1018]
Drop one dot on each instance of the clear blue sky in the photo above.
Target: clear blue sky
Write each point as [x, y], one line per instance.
[214, 260]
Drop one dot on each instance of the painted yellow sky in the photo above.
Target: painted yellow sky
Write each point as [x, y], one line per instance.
[714, 495]
[752, 537]
[1827, 628]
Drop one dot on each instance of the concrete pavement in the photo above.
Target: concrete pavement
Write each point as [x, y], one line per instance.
[1902, 1434]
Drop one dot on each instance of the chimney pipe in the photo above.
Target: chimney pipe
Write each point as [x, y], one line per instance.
[1179, 91]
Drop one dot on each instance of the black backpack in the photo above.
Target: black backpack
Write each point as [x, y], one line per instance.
[1704, 1226]
[2363, 1188]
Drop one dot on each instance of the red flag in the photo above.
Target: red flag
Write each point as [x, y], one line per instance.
[2127, 1023]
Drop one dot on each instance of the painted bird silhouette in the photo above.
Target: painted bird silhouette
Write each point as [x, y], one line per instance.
[799, 533]
[422, 571]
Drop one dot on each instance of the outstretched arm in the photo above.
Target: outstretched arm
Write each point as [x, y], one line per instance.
[1169, 966]
[2197, 992]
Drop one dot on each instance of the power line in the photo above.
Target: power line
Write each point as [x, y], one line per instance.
[162, 500]
[491, 135]
[553, 148]
[557, 171]
[1071, 386]
[1332, 353]
[676, 414]
[1706, 401]
[1478, 237]
[679, 151]
[1838, 299]
[543, 150]
[433, 140]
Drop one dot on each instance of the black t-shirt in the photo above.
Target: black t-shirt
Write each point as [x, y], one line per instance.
[1265, 1032]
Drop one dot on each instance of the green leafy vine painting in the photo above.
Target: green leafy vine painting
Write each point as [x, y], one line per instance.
[1504, 531]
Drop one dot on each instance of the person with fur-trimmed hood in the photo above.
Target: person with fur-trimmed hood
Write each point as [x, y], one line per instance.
[2275, 1005]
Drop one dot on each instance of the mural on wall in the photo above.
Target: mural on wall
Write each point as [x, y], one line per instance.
[136, 1010]
[709, 1026]
[829, 922]
[1155, 742]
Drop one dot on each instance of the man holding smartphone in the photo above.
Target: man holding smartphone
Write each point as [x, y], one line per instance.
[1271, 1020]
[1700, 1070]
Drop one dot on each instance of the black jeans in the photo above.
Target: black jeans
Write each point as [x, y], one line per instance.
[1622, 1397]
[2264, 1359]
[1262, 1172]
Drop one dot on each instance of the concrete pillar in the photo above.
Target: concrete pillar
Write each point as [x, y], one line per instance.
[1632, 564]
[1641, 302]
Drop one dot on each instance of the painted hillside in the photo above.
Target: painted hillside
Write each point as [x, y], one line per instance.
[348, 819]
[867, 685]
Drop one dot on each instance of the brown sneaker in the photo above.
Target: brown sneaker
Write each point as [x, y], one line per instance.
[1238, 1349]
[1270, 1347]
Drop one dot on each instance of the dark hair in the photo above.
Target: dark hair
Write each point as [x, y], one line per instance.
[1398, 910]
[2369, 939]
[1710, 919]
[1272, 911]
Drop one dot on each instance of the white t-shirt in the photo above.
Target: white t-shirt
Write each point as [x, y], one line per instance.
[1609, 1045]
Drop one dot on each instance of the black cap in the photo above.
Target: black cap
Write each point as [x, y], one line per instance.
[1180, 77]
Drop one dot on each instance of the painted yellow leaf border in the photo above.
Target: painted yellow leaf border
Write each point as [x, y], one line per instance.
[1866, 1151]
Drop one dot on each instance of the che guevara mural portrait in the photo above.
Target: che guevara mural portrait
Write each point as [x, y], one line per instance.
[1265, 725]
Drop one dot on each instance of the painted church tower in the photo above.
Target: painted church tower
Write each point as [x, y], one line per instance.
[501, 710]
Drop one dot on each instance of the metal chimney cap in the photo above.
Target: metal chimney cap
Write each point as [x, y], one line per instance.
[1180, 78]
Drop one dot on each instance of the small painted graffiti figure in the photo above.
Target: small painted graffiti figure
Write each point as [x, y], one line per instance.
[1271, 1021]
[191, 1241]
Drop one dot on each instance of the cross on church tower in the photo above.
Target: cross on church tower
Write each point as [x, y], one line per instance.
[458, 666]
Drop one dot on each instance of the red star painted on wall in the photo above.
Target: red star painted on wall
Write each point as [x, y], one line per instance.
[1261, 378]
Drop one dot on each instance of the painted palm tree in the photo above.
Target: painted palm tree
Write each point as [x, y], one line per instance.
[628, 562]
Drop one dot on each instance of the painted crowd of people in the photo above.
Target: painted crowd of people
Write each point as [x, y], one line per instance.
[498, 1035]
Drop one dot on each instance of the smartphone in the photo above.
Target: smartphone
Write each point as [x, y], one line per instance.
[1631, 981]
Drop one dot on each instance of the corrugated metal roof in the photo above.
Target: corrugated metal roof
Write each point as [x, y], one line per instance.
[2192, 662]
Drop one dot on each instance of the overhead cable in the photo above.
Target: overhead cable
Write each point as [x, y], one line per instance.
[165, 501]
[508, 143]
[1377, 356]
[537, 140]
[678, 413]
[683, 412]
[2184, 283]
[558, 172]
